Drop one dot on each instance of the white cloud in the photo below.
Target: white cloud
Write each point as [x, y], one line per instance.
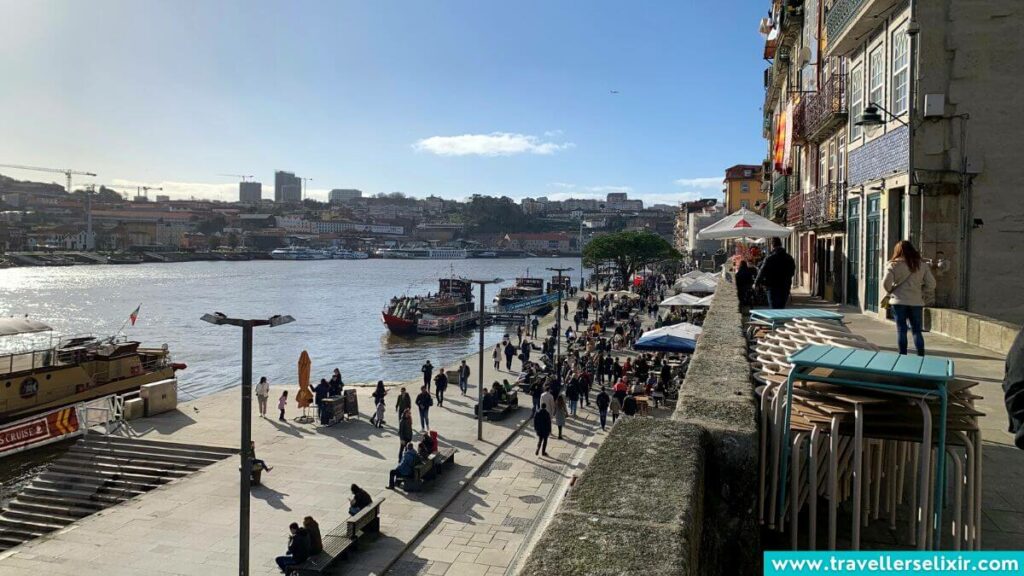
[703, 183]
[493, 144]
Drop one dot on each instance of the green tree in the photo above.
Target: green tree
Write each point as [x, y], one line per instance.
[629, 252]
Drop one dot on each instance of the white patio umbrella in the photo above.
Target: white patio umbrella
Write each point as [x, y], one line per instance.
[685, 299]
[743, 224]
[704, 284]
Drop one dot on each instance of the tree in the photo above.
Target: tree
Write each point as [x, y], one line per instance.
[628, 251]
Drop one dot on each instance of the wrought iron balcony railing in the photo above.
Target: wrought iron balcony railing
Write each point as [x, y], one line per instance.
[795, 208]
[841, 15]
[800, 122]
[824, 206]
[826, 109]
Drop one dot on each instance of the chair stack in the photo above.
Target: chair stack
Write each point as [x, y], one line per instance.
[894, 478]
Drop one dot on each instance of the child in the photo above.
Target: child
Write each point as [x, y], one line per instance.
[281, 403]
[378, 418]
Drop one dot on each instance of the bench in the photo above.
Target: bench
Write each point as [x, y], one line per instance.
[427, 470]
[338, 541]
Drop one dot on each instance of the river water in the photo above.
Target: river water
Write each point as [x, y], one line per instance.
[336, 305]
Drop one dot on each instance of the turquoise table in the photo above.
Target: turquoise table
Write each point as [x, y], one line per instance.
[777, 317]
[918, 375]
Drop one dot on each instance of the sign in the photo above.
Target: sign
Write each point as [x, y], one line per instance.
[39, 430]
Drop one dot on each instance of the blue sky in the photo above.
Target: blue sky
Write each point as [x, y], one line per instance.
[425, 97]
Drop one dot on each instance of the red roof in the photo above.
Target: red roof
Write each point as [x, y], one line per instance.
[736, 172]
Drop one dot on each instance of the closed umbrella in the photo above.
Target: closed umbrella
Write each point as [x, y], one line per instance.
[680, 337]
[305, 397]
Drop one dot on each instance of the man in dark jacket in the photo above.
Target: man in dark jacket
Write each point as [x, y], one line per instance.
[403, 403]
[440, 385]
[602, 406]
[407, 467]
[629, 406]
[298, 548]
[542, 426]
[463, 377]
[776, 275]
[424, 402]
[428, 372]
[1013, 389]
[510, 353]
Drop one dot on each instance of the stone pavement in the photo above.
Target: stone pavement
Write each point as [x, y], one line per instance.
[1002, 462]
[489, 527]
[190, 526]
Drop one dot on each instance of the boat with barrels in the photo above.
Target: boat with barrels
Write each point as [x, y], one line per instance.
[449, 310]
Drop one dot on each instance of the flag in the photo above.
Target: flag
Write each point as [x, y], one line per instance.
[134, 315]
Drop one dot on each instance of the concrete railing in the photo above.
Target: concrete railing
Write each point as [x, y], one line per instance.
[676, 496]
[971, 328]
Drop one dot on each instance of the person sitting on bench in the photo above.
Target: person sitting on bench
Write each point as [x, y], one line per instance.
[407, 467]
[316, 542]
[256, 462]
[488, 401]
[360, 499]
[298, 548]
[427, 446]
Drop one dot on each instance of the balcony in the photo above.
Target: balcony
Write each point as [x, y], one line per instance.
[800, 122]
[847, 23]
[824, 206]
[795, 208]
[826, 109]
[777, 202]
[776, 76]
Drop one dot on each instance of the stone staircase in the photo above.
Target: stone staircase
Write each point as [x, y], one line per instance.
[97, 472]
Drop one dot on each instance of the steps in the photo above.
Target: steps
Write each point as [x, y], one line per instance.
[96, 473]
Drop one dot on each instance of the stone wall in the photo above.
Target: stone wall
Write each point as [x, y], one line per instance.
[671, 497]
[971, 328]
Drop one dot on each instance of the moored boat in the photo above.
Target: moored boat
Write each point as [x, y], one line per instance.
[448, 310]
[298, 253]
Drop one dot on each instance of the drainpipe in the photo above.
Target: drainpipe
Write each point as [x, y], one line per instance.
[913, 29]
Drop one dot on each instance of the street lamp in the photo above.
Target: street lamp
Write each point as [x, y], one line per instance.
[243, 493]
[871, 117]
[580, 242]
[480, 365]
[558, 326]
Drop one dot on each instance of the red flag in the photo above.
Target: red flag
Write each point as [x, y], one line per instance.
[134, 315]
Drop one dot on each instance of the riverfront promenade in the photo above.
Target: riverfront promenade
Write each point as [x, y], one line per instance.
[190, 525]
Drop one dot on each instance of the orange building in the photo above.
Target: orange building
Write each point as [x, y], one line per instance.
[743, 187]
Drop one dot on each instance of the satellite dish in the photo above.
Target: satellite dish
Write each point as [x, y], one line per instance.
[805, 56]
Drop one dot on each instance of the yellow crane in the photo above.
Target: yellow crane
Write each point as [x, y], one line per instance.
[67, 173]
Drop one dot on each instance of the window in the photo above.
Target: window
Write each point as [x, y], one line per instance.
[832, 161]
[822, 166]
[841, 160]
[876, 90]
[747, 173]
[900, 71]
[856, 101]
[745, 187]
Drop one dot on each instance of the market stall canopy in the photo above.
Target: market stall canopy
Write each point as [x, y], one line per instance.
[680, 337]
[15, 326]
[704, 284]
[685, 299]
[743, 224]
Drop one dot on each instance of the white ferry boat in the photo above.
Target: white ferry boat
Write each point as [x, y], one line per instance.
[424, 253]
[342, 254]
[299, 253]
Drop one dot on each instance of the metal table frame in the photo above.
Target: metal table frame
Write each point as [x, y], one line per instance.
[932, 372]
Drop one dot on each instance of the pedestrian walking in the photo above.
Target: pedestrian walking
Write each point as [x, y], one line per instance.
[560, 413]
[510, 353]
[519, 334]
[378, 416]
[404, 431]
[440, 385]
[379, 393]
[602, 401]
[776, 275]
[403, 403]
[533, 327]
[496, 356]
[262, 393]
[464, 377]
[281, 403]
[542, 426]
[909, 285]
[424, 402]
[428, 373]
[573, 393]
[536, 390]
[616, 407]
[547, 400]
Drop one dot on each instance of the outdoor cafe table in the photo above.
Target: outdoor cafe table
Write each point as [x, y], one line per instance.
[774, 318]
[917, 375]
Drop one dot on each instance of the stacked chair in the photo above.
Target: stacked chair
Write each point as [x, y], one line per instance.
[894, 478]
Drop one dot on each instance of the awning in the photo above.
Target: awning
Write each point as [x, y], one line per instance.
[15, 326]
[680, 337]
[704, 284]
[743, 224]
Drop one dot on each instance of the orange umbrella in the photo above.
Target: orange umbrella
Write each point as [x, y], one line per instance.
[304, 398]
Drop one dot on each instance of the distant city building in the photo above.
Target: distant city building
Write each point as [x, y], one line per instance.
[163, 198]
[619, 201]
[327, 226]
[743, 187]
[344, 195]
[287, 188]
[250, 192]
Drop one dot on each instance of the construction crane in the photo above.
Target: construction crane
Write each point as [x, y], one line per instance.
[243, 177]
[145, 192]
[67, 173]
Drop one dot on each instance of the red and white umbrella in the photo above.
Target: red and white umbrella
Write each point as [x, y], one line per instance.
[743, 224]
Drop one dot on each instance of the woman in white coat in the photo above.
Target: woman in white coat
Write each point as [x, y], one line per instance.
[910, 284]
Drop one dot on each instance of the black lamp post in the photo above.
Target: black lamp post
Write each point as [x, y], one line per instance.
[246, 469]
[480, 364]
[558, 324]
